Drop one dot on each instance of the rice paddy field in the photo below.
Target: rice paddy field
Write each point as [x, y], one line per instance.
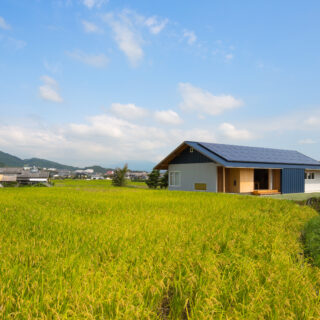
[87, 250]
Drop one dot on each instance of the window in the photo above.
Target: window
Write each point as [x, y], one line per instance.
[191, 149]
[309, 175]
[175, 179]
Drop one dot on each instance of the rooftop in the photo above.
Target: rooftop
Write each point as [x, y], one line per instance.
[244, 156]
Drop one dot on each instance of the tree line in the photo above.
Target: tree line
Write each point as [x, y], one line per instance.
[155, 178]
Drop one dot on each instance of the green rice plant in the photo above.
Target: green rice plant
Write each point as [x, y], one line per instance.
[88, 250]
[311, 237]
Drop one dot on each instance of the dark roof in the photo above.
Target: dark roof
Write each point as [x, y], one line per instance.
[241, 156]
[20, 173]
[34, 175]
[255, 154]
[10, 170]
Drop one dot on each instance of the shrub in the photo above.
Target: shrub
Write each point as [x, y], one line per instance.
[164, 181]
[119, 176]
[153, 179]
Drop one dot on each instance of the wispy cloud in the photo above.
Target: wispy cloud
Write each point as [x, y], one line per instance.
[94, 60]
[229, 56]
[313, 121]
[199, 100]
[90, 27]
[126, 36]
[128, 28]
[155, 25]
[190, 36]
[223, 51]
[12, 43]
[94, 3]
[307, 141]
[52, 67]
[3, 24]
[49, 90]
[168, 117]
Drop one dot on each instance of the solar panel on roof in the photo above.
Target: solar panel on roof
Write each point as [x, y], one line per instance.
[255, 154]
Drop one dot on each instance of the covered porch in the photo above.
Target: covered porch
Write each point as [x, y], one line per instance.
[249, 180]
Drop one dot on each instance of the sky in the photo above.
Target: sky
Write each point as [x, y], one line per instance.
[106, 82]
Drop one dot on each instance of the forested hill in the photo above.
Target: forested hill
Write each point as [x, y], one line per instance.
[8, 160]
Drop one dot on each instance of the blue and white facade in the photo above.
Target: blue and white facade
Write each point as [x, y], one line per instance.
[229, 168]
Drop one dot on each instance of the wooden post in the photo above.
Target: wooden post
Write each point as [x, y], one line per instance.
[270, 176]
[224, 179]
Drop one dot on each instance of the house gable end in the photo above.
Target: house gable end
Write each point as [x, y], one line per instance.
[190, 155]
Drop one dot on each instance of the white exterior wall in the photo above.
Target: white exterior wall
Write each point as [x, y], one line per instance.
[313, 185]
[192, 173]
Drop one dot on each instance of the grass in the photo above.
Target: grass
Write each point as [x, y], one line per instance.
[87, 250]
[295, 196]
[312, 239]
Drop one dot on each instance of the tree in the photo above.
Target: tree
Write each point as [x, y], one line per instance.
[119, 176]
[164, 180]
[153, 179]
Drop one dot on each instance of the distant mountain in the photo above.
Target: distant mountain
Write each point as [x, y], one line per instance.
[98, 169]
[8, 160]
[42, 163]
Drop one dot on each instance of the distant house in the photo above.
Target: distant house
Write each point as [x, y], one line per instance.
[23, 176]
[137, 175]
[238, 169]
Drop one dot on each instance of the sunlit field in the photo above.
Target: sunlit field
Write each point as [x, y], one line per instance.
[87, 250]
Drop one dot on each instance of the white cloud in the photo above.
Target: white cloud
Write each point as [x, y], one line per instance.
[94, 3]
[313, 121]
[197, 99]
[100, 139]
[230, 131]
[155, 25]
[168, 117]
[190, 36]
[90, 27]
[126, 36]
[307, 141]
[3, 24]
[94, 60]
[49, 90]
[128, 111]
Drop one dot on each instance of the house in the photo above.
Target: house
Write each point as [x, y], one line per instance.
[237, 169]
[23, 176]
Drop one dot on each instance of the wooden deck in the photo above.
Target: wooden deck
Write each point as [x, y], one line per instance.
[265, 192]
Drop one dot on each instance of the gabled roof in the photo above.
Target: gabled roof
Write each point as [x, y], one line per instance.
[241, 156]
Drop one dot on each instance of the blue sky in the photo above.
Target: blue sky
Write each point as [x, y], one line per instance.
[106, 82]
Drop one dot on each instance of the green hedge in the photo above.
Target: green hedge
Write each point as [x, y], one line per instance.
[311, 236]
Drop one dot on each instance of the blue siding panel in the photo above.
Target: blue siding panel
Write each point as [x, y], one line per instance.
[292, 180]
[190, 157]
